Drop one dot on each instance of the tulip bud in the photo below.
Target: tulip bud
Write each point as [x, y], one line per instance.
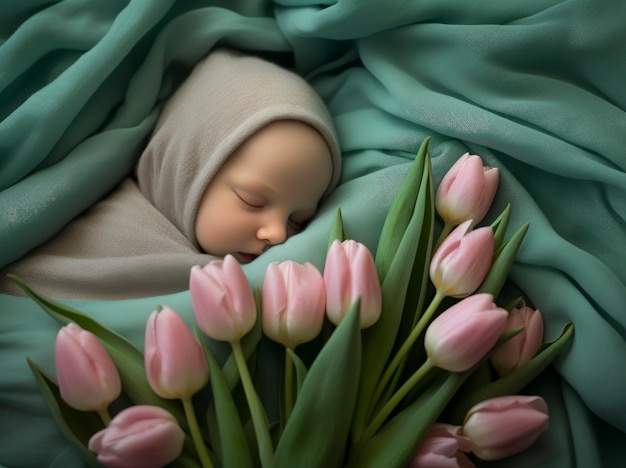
[466, 191]
[222, 300]
[462, 261]
[443, 447]
[350, 273]
[146, 436]
[174, 359]
[463, 334]
[294, 303]
[87, 377]
[506, 425]
[520, 349]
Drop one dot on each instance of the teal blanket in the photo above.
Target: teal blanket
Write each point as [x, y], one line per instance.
[536, 88]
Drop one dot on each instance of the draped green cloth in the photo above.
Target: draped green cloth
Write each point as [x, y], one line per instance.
[535, 88]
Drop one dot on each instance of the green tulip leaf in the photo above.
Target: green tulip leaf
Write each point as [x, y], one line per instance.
[417, 292]
[419, 288]
[514, 382]
[76, 426]
[230, 442]
[420, 278]
[502, 262]
[401, 212]
[395, 443]
[127, 358]
[500, 225]
[380, 339]
[324, 408]
[337, 231]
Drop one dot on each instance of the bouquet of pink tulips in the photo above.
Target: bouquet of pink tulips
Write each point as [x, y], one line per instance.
[418, 364]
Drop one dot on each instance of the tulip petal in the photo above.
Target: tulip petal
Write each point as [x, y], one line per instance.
[141, 435]
[503, 426]
[349, 273]
[87, 377]
[463, 260]
[466, 191]
[174, 360]
[463, 334]
[222, 299]
[520, 349]
[294, 303]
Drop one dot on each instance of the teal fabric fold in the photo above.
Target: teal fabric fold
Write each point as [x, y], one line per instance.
[535, 88]
[99, 106]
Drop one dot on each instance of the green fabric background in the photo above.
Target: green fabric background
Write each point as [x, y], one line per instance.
[536, 88]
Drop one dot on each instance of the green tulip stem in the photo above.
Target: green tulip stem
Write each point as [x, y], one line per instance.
[447, 229]
[406, 346]
[394, 401]
[203, 454]
[289, 396]
[105, 416]
[259, 418]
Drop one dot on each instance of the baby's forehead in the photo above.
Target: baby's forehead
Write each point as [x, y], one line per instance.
[285, 140]
[286, 164]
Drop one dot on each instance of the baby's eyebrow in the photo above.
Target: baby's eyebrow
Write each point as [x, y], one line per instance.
[263, 190]
[260, 189]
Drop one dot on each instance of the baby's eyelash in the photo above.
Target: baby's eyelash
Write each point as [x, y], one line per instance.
[247, 205]
[296, 225]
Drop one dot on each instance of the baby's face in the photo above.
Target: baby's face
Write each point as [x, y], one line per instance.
[266, 191]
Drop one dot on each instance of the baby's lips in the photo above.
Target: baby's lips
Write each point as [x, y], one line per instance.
[247, 257]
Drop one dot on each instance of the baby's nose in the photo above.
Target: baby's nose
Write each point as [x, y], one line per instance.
[274, 231]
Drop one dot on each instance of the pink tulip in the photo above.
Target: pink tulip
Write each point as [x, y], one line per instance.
[294, 303]
[222, 299]
[174, 359]
[520, 349]
[506, 425]
[462, 261]
[466, 191]
[350, 273]
[463, 334]
[139, 436]
[443, 447]
[87, 377]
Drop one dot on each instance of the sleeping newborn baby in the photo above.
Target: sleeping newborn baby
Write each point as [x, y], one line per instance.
[239, 160]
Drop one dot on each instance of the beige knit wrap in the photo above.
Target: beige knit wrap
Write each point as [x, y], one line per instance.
[140, 240]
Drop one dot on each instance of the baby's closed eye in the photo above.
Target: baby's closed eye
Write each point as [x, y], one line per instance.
[249, 201]
[297, 225]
